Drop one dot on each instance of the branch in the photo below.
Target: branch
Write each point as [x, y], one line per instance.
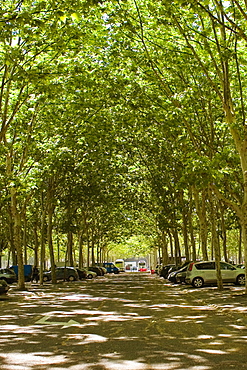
[234, 206]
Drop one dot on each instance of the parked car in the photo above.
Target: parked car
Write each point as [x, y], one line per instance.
[91, 274]
[164, 271]
[104, 271]
[178, 276]
[86, 274]
[96, 269]
[62, 273]
[158, 268]
[4, 287]
[199, 274]
[111, 268]
[8, 275]
[82, 273]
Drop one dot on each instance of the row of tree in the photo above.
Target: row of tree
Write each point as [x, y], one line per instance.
[118, 119]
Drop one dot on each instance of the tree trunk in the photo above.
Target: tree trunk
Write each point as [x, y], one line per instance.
[191, 229]
[201, 212]
[185, 235]
[240, 260]
[50, 212]
[215, 241]
[81, 262]
[70, 248]
[42, 242]
[177, 247]
[223, 232]
[36, 245]
[24, 235]
[17, 238]
[165, 259]
[93, 244]
[171, 247]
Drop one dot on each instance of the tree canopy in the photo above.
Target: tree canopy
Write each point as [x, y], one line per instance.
[123, 121]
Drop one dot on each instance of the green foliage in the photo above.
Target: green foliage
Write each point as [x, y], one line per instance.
[121, 106]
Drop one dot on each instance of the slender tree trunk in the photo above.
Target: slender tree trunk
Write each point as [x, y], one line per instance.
[171, 247]
[191, 228]
[17, 238]
[81, 262]
[11, 239]
[165, 258]
[201, 212]
[215, 240]
[43, 239]
[24, 219]
[177, 247]
[70, 248]
[223, 232]
[50, 242]
[93, 256]
[185, 235]
[240, 260]
[50, 212]
[36, 245]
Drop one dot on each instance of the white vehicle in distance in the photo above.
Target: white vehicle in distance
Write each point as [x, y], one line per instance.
[204, 273]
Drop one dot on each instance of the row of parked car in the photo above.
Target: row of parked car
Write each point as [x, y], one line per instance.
[9, 275]
[75, 273]
[202, 273]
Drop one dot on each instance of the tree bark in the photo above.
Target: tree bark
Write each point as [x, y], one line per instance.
[215, 241]
[201, 213]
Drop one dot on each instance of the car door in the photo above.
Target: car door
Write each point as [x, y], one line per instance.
[228, 272]
[59, 273]
[210, 272]
[207, 271]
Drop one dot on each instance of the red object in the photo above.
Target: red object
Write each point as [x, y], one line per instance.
[190, 266]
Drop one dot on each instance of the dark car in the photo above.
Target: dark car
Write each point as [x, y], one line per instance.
[4, 287]
[96, 269]
[86, 274]
[164, 271]
[62, 273]
[82, 273]
[8, 275]
[178, 276]
[103, 269]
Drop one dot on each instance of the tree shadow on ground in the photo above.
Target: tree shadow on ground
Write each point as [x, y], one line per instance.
[125, 322]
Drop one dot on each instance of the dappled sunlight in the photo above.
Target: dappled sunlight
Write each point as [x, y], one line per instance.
[27, 361]
[114, 317]
[103, 325]
[213, 351]
[87, 338]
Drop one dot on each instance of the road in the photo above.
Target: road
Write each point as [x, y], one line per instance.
[130, 321]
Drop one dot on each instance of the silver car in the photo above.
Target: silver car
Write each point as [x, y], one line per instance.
[201, 273]
[8, 275]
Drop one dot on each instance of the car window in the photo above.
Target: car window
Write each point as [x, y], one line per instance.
[205, 266]
[226, 266]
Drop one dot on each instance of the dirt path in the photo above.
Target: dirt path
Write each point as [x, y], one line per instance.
[129, 321]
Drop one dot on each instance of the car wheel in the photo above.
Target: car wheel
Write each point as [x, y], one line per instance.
[45, 278]
[241, 280]
[90, 276]
[198, 282]
[71, 278]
